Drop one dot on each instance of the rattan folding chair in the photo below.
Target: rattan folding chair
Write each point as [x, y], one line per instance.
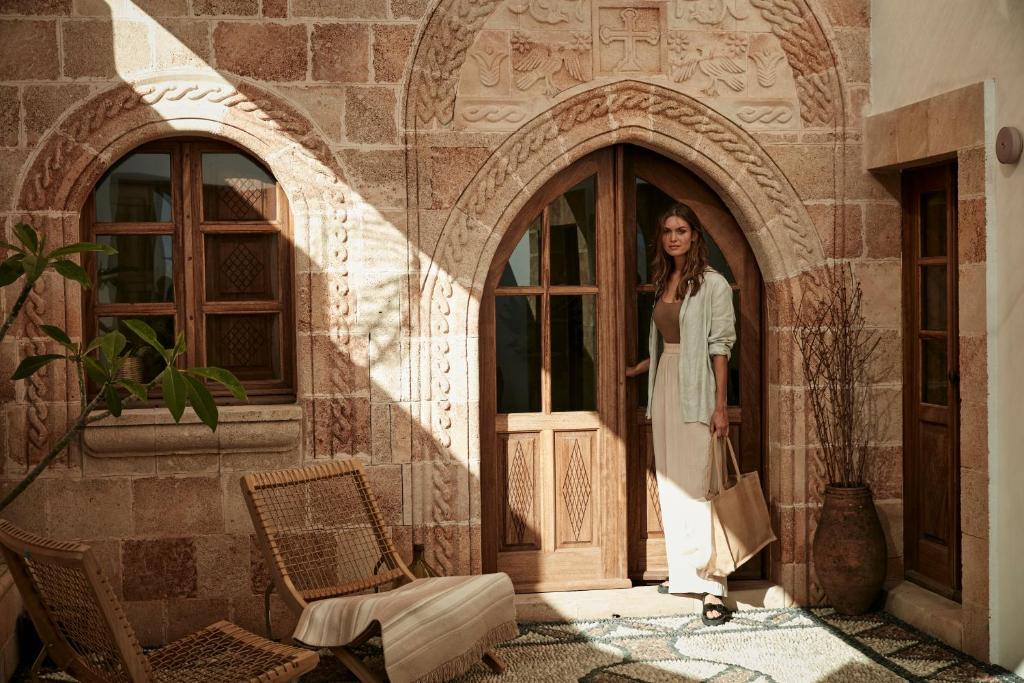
[323, 536]
[85, 631]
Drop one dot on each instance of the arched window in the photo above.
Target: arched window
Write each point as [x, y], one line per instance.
[204, 247]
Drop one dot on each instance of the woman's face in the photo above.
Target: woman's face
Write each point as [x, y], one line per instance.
[676, 236]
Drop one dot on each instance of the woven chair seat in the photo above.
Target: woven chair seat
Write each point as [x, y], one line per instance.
[225, 653]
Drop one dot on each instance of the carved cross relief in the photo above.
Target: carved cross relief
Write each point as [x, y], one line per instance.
[629, 37]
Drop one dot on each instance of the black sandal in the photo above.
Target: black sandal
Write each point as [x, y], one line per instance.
[663, 588]
[723, 612]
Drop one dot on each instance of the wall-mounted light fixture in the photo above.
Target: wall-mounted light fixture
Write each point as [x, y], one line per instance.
[1008, 145]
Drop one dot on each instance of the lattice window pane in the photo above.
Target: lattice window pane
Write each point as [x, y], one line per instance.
[235, 188]
[241, 267]
[247, 345]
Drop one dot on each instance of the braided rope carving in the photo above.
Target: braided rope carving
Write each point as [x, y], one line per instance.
[444, 49]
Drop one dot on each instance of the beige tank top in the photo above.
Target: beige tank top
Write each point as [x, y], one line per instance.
[666, 319]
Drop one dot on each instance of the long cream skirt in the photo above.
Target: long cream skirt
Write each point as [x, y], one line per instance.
[681, 458]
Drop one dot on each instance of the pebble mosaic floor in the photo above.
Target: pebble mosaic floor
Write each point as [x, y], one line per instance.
[764, 646]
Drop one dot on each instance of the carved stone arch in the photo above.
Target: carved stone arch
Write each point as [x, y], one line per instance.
[781, 235]
[765, 205]
[87, 140]
[802, 29]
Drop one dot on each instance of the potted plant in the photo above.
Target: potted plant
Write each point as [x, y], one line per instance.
[837, 350]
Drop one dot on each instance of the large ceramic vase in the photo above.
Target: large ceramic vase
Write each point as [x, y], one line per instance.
[849, 549]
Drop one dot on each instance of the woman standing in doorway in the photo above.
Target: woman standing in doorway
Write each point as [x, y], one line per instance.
[691, 337]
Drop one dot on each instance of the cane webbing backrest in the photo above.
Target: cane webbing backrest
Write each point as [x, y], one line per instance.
[321, 530]
[73, 607]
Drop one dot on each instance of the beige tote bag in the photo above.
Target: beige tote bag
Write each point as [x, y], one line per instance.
[740, 526]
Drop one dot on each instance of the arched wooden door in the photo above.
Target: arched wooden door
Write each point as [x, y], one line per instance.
[566, 495]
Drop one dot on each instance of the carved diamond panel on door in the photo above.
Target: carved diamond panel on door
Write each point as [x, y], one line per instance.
[574, 466]
[521, 486]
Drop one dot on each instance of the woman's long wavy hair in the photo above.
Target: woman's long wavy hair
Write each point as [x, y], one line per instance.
[695, 261]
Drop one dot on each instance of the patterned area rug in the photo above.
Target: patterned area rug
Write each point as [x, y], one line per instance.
[766, 646]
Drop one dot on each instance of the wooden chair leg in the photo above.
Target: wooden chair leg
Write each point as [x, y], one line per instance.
[495, 663]
[355, 665]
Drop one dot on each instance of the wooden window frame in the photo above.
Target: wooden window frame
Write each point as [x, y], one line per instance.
[188, 229]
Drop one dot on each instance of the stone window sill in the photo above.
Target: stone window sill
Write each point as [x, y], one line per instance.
[152, 431]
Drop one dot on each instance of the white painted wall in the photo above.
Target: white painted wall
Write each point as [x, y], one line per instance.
[920, 48]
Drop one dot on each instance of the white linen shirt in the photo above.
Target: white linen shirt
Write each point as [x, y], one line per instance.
[707, 327]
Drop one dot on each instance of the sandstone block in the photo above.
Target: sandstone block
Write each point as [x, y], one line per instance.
[882, 230]
[193, 48]
[275, 8]
[971, 228]
[974, 503]
[974, 435]
[370, 115]
[161, 568]
[264, 51]
[974, 554]
[162, 8]
[391, 46]
[10, 116]
[341, 53]
[104, 49]
[36, 7]
[30, 50]
[109, 502]
[166, 506]
[225, 7]
[378, 176]
[411, 9]
[340, 9]
[44, 104]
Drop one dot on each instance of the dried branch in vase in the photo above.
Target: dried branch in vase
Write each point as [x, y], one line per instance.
[837, 352]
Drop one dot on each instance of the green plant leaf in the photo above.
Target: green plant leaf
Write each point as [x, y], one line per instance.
[112, 400]
[28, 236]
[179, 345]
[58, 335]
[11, 269]
[32, 364]
[136, 389]
[82, 247]
[12, 247]
[72, 271]
[224, 377]
[175, 390]
[112, 344]
[202, 401]
[33, 266]
[144, 332]
[95, 371]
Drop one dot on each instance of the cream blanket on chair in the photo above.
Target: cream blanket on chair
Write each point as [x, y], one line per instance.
[431, 629]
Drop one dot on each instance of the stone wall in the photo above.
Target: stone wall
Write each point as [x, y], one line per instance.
[406, 138]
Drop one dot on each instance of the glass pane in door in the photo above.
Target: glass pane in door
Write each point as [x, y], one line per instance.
[573, 235]
[137, 189]
[523, 266]
[934, 380]
[933, 298]
[517, 353]
[933, 224]
[573, 352]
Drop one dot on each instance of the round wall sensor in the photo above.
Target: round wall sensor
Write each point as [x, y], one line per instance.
[1008, 145]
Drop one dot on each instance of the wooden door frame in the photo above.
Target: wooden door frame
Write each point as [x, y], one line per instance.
[941, 176]
[612, 522]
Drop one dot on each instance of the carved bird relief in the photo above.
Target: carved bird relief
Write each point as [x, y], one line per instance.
[727, 68]
[547, 11]
[489, 63]
[538, 62]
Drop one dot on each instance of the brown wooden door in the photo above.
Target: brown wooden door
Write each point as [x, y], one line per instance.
[568, 498]
[931, 460]
[552, 477]
[650, 184]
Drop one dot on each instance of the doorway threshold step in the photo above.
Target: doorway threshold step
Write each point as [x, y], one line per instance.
[639, 601]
